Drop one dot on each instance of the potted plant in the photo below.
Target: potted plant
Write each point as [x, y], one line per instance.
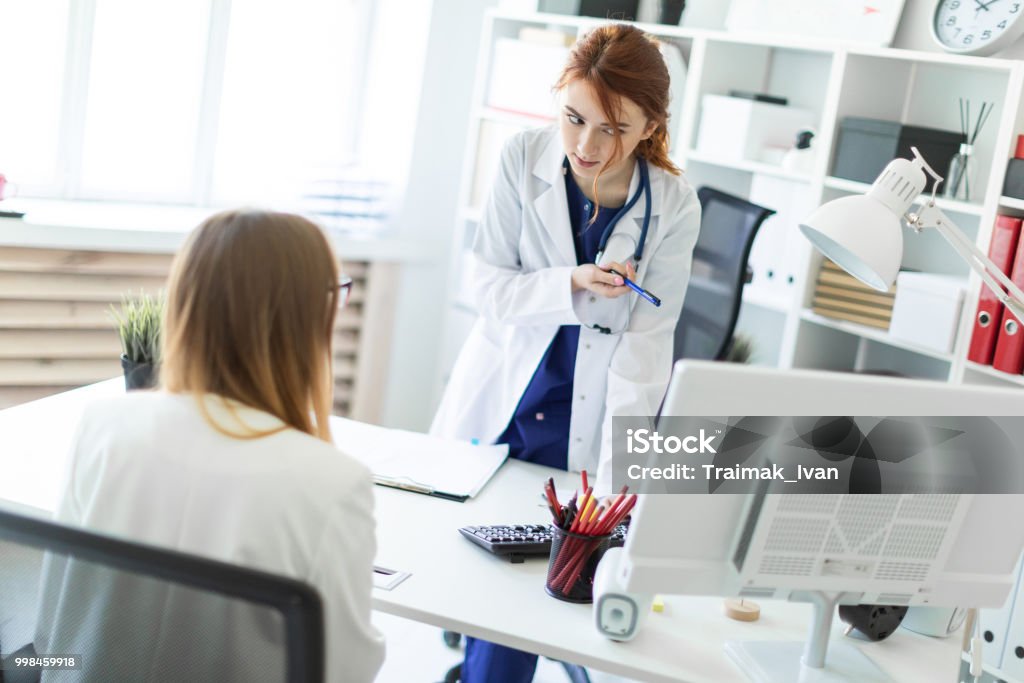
[139, 322]
[741, 349]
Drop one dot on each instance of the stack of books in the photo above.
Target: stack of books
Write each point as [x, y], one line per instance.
[840, 295]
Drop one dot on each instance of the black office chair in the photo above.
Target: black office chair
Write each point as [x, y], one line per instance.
[728, 226]
[133, 612]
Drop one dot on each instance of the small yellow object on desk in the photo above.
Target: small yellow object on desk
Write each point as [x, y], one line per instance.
[741, 610]
[659, 604]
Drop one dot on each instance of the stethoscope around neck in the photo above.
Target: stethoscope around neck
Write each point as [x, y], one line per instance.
[643, 188]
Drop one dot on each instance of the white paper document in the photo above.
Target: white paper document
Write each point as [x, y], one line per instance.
[446, 468]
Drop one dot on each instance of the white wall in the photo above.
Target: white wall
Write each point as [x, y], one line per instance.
[427, 216]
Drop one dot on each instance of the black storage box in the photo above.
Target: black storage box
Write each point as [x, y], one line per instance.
[867, 145]
[1013, 186]
[603, 9]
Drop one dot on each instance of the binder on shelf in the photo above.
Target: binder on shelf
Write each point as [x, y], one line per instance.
[445, 468]
[1009, 355]
[1005, 236]
[776, 255]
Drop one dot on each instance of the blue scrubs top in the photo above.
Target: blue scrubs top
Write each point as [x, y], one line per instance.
[539, 430]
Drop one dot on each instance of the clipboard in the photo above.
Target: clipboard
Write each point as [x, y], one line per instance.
[433, 466]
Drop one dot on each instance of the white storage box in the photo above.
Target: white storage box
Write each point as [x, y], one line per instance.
[522, 75]
[927, 309]
[737, 129]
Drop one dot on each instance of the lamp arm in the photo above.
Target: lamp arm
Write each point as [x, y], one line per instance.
[1001, 285]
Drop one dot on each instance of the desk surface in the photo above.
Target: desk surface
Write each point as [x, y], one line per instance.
[456, 586]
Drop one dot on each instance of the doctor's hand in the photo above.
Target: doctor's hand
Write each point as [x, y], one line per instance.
[599, 281]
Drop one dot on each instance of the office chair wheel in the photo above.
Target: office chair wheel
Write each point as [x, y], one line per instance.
[454, 674]
[452, 639]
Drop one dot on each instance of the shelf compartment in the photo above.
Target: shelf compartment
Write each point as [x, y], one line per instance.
[873, 334]
[1011, 203]
[952, 206]
[693, 156]
[989, 371]
[923, 92]
[756, 297]
[764, 327]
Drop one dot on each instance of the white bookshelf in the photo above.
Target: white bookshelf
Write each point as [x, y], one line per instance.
[873, 334]
[947, 205]
[989, 371]
[833, 82]
[511, 118]
[1011, 203]
[695, 157]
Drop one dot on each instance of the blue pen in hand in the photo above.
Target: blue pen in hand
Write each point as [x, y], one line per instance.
[637, 288]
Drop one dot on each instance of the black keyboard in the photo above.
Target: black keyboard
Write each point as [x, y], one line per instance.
[520, 541]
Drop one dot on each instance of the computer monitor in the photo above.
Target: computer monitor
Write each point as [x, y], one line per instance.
[894, 549]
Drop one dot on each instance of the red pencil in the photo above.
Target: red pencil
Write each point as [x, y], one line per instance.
[613, 509]
[554, 493]
[556, 508]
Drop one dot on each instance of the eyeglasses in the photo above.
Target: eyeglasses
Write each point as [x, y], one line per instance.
[344, 290]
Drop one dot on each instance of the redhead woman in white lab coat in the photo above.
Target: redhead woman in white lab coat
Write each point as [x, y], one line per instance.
[231, 460]
[562, 345]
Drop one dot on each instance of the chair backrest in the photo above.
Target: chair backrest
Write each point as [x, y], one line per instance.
[133, 612]
[728, 226]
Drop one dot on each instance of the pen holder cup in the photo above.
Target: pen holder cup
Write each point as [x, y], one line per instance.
[573, 563]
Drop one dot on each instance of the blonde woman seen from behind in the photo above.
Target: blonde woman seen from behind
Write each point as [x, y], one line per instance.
[232, 459]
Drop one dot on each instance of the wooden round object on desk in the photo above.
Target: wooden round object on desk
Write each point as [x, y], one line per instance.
[742, 610]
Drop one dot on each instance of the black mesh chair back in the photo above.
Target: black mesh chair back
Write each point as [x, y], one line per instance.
[131, 612]
[728, 226]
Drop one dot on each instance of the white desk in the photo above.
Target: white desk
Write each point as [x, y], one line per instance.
[456, 586]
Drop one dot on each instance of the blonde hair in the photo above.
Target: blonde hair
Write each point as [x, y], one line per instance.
[250, 313]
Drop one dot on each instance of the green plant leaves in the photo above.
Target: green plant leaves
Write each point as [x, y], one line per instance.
[139, 322]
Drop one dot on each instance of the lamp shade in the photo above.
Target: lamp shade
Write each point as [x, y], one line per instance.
[862, 235]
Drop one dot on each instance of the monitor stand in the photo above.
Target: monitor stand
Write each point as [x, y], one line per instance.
[793, 662]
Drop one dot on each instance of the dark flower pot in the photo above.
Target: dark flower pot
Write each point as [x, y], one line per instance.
[138, 375]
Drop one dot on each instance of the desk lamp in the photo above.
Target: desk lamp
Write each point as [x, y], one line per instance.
[861, 233]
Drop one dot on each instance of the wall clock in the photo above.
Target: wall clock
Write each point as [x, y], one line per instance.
[977, 27]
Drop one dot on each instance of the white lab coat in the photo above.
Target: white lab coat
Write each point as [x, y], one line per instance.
[524, 257]
[149, 468]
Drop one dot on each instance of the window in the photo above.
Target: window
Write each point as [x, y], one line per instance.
[143, 99]
[32, 40]
[206, 102]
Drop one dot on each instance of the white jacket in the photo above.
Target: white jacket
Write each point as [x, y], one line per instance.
[524, 258]
[149, 468]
